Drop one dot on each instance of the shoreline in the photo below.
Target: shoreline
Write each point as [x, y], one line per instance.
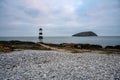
[100, 40]
[7, 46]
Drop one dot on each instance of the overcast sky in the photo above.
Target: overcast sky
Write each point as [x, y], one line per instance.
[59, 17]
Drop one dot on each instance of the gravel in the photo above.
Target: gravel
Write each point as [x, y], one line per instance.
[53, 65]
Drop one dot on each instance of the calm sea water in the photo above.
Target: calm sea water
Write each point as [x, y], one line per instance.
[101, 40]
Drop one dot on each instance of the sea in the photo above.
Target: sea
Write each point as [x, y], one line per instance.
[99, 40]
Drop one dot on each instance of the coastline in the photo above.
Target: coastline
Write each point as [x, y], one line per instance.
[67, 61]
[13, 45]
[99, 40]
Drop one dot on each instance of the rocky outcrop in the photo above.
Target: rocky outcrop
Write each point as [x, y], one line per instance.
[4, 48]
[113, 47]
[7, 46]
[87, 33]
[81, 46]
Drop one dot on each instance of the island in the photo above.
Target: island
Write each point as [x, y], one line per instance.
[87, 33]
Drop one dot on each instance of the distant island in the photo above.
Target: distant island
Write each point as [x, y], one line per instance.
[87, 33]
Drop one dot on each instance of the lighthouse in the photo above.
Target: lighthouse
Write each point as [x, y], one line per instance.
[40, 35]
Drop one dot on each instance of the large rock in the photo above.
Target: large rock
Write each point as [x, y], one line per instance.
[87, 33]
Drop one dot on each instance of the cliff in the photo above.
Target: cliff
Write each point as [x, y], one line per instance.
[87, 33]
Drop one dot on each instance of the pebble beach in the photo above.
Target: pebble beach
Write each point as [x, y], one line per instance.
[56, 65]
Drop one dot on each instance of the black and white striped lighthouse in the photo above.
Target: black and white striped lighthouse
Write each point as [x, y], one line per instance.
[40, 35]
